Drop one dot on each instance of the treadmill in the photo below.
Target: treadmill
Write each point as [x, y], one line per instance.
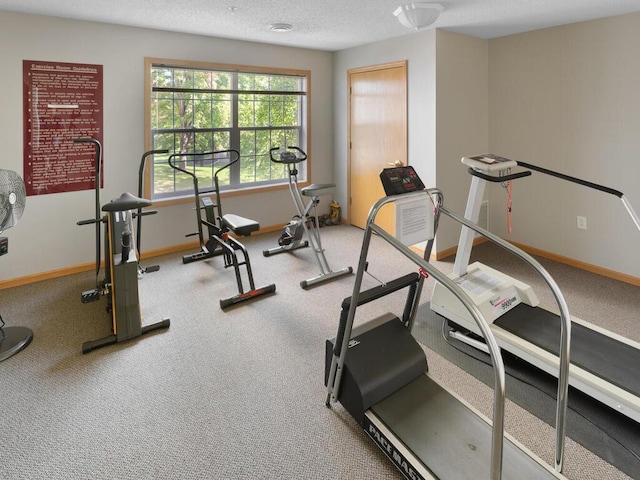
[603, 364]
[379, 372]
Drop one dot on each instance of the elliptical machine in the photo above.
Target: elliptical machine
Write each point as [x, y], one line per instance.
[120, 282]
[303, 223]
[219, 241]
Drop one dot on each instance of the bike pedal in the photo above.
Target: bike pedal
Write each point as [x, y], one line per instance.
[90, 296]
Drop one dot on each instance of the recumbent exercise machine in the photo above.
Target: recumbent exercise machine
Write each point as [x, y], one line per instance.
[219, 241]
[120, 282]
[304, 224]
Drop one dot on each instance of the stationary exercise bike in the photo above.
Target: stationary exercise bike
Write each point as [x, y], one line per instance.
[120, 282]
[219, 226]
[303, 224]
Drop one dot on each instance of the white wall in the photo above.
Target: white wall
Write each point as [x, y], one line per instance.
[419, 51]
[568, 99]
[448, 110]
[47, 237]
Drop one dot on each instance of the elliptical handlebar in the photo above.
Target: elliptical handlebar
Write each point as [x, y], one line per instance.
[202, 154]
[288, 157]
[231, 150]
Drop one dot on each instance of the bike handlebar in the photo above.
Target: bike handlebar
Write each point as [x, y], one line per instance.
[288, 157]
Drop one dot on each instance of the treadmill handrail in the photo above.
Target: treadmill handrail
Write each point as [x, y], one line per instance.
[586, 183]
[565, 329]
[337, 363]
[569, 178]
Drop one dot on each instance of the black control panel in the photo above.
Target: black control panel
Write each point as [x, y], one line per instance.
[398, 180]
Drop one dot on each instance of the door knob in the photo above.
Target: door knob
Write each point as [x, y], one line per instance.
[397, 163]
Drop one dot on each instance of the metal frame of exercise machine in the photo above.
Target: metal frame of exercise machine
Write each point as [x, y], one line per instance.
[219, 241]
[145, 156]
[378, 372]
[303, 225]
[603, 364]
[120, 282]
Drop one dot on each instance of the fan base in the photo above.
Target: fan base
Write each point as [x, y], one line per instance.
[12, 340]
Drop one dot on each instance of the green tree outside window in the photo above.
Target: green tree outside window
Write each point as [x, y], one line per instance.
[194, 110]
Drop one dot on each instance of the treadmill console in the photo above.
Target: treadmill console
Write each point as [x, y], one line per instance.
[489, 162]
[398, 180]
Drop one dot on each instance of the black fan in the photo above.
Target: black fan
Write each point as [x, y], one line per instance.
[12, 201]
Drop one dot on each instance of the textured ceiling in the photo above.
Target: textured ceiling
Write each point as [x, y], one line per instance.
[323, 24]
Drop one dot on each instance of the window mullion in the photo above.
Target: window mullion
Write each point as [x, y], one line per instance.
[234, 135]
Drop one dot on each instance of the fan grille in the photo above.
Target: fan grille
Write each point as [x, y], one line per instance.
[12, 198]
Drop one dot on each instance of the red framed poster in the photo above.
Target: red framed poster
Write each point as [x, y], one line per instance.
[61, 101]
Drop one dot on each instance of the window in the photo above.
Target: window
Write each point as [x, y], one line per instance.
[197, 108]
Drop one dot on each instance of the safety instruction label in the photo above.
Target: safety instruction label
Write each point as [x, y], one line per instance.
[477, 283]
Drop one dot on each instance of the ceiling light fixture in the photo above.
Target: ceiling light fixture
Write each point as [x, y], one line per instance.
[280, 27]
[418, 16]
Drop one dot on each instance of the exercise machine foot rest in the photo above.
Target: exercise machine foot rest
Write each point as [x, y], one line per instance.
[285, 248]
[89, 296]
[194, 257]
[325, 277]
[111, 339]
[242, 297]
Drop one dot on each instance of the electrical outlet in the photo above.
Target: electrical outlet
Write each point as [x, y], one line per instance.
[582, 223]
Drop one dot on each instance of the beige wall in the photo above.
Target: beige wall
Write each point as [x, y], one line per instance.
[462, 120]
[568, 99]
[47, 237]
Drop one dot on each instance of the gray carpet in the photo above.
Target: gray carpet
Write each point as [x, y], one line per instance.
[236, 394]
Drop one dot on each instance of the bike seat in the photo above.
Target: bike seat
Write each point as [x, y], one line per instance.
[240, 225]
[125, 202]
[318, 189]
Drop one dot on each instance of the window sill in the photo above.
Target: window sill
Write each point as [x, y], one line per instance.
[168, 201]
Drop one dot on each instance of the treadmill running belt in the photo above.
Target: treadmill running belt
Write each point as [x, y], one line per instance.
[599, 354]
[449, 438]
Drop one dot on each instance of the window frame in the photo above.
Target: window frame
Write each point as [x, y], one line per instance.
[178, 197]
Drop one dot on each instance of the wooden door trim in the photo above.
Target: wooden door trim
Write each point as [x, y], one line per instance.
[350, 73]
